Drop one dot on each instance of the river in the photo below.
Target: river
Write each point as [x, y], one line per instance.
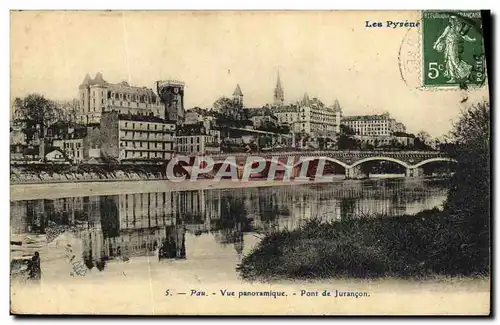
[190, 238]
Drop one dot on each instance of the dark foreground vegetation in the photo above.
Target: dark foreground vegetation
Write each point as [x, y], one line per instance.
[451, 241]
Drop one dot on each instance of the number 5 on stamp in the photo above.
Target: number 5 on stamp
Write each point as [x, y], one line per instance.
[453, 49]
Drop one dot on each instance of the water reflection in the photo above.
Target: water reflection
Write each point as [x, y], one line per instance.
[121, 227]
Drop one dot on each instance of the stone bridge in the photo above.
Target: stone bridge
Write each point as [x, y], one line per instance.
[350, 161]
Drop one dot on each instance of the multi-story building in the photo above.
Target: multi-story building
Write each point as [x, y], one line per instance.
[384, 141]
[313, 117]
[286, 115]
[73, 147]
[373, 125]
[197, 139]
[97, 96]
[78, 142]
[127, 136]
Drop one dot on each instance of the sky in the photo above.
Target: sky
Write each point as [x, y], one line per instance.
[330, 55]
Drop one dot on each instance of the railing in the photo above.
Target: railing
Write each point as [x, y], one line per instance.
[343, 153]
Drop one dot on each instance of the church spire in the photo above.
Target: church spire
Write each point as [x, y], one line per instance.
[238, 95]
[278, 92]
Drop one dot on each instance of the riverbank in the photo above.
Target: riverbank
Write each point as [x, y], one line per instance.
[64, 173]
[429, 243]
[73, 189]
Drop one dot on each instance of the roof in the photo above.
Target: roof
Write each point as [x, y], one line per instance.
[98, 80]
[285, 109]
[88, 81]
[123, 86]
[191, 129]
[336, 106]
[237, 91]
[278, 81]
[366, 117]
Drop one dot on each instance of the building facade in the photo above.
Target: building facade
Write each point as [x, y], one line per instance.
[373, 125]
[382, 141]
[74, 148]
[197, 139]
[126, 136]
[312, 117]
[97, 96]
[286, 115]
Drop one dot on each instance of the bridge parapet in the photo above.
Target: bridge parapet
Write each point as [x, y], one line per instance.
[346, 157]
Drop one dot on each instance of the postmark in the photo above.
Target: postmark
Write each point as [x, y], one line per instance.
[452, 49]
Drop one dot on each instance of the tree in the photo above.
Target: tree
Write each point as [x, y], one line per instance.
[424, 137]
[226, 107]
[345, 139]
[468, 202]
[35, 110]
[346, 130]
[67, 111]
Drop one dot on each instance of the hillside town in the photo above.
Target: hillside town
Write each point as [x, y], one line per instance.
[118, 122]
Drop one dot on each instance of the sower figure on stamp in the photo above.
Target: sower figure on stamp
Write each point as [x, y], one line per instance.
[449, 42]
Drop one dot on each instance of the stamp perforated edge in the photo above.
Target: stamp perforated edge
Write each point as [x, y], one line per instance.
[454, 87]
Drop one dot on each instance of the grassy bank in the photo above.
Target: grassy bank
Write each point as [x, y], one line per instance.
[428, 243]
[455, 241]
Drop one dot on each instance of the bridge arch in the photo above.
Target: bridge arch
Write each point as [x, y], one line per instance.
[397, 161]
[438, 159]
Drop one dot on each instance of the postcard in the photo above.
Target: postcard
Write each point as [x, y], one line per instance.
[250, 163]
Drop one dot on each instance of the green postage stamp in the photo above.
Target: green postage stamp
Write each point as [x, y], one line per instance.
[453, 49]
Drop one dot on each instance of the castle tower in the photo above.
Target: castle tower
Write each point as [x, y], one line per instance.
[171, 93]
[238, 95]
[278, 92]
